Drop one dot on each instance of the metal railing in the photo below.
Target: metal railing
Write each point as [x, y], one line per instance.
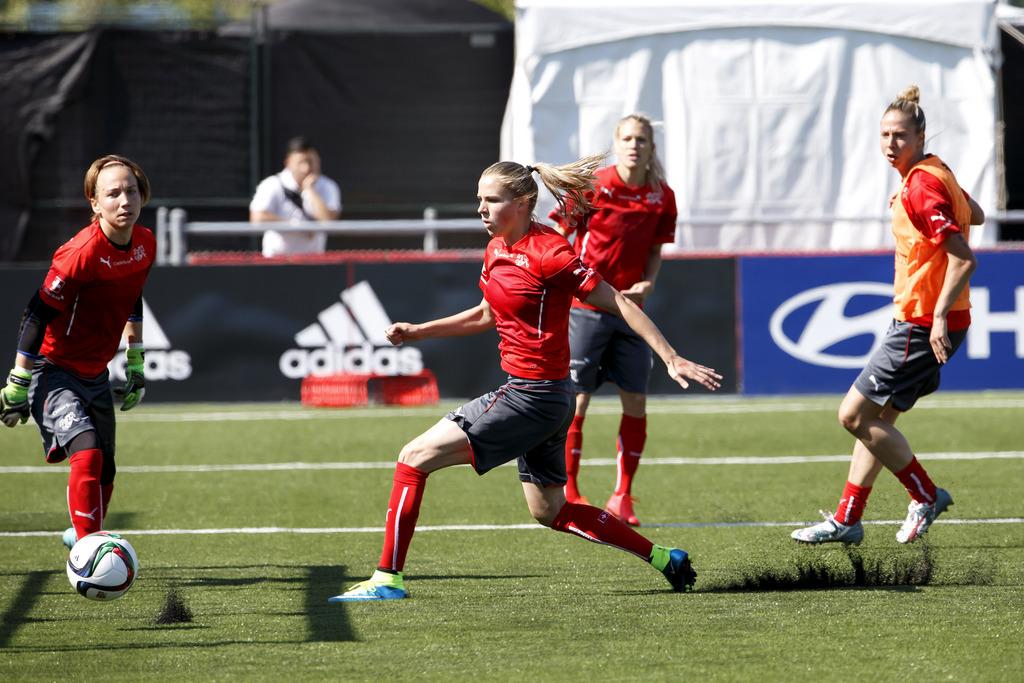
[173, 227]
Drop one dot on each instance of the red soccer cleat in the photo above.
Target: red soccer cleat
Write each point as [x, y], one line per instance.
[621, 505]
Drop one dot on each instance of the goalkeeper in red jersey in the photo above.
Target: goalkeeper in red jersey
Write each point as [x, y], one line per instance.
[629, 215]
[530, 276]
[72, 328]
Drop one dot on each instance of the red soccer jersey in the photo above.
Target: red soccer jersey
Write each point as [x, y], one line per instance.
[929, 207]
[95, 285]
[530, 286]
[619, 232]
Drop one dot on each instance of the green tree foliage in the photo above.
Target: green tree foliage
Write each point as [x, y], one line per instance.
[75, 14]
[504, 7]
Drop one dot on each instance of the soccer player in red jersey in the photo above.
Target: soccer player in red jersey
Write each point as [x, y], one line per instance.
[931, 218]
[631, 213]
[72, 327]
[530, 275]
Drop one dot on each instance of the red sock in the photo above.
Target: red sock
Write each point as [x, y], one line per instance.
[632, 436]
[851, 505]
[84, 492]
[108, 491]
[917, 482]
[599, 526]
[403, 509]
[573, 451]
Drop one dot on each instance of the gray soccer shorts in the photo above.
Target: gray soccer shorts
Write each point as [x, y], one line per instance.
[65, 405]
[904, 367]
[603, 347]
[524, 419]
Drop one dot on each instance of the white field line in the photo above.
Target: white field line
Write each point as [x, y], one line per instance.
[592, 462]
[470, 527]
[655, 406]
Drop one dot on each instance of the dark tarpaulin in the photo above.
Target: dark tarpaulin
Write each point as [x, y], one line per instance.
[176, 102]
[404, 98]
[402, 121]
[39, 74]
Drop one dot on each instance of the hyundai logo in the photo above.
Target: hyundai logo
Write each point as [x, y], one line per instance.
[828, 324]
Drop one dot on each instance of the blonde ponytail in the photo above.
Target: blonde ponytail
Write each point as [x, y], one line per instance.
[571, 181]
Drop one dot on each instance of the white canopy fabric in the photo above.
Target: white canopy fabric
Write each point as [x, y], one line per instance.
[766, 112]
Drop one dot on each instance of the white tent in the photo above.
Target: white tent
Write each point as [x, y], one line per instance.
[768, 109]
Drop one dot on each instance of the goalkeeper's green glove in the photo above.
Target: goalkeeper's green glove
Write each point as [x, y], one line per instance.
[134, 374]
[14, 397]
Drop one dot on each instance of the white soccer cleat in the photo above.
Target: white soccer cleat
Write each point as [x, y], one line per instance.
[830, 531]
[921, 515]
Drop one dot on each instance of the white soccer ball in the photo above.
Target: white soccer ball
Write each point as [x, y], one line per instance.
[102, 566]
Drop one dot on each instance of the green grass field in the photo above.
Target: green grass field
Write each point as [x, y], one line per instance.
[254, 552]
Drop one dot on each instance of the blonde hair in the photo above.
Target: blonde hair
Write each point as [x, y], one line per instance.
[655, 171]
[92, 175]
[570, 181]
[908, 103]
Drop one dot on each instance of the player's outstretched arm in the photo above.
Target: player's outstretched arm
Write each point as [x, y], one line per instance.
[470, 321]
[680, 369]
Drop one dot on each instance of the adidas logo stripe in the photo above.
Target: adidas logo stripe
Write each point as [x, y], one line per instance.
[359, 317]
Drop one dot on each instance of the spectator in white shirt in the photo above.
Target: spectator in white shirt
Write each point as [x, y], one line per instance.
[298, 194]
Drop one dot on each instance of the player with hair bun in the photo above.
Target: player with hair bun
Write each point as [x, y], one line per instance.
[931, 219]
[619, 232]
[529, 277]
[71, 329]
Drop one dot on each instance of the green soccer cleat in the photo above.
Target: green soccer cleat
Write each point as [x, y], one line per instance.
[70, 538]
[675, 565]
[380, 586]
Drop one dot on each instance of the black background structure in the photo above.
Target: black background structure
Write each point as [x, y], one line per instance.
[403, 99]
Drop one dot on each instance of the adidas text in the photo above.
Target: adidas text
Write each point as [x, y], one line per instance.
[360, 358]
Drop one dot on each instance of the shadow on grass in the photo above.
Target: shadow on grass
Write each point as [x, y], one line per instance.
[327, 622]
[25, 599]
[473, 577]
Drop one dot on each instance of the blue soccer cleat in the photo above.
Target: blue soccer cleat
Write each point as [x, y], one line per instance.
[380, 586]
[70, 538]
[678, 571]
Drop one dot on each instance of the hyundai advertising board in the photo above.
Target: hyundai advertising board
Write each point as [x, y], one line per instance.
[809, 323]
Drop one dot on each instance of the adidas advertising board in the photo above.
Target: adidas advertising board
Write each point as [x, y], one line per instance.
[348, 337]
[811, 323]
[251, 333]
